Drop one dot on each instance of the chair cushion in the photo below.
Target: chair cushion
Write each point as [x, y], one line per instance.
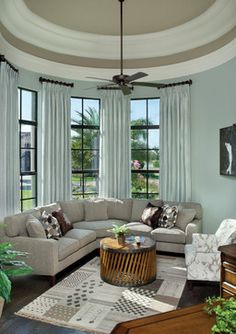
[74, 209]
[184, 217]
[119, 209]
[35, 228]
[66, 247]
[84, 237]
[100, 226]
[95, 210]
[174, 235]
[139, 205]
[226, 232]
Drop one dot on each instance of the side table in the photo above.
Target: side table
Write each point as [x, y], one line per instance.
[228, 271]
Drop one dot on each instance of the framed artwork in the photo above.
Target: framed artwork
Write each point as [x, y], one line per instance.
[228, 150]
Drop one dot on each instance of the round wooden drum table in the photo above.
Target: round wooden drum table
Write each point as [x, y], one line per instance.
[128, 264]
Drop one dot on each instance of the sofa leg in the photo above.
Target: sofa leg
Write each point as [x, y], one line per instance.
[52, 280]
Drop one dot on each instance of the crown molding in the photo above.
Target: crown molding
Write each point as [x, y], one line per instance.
[25, 25]
[43, 66]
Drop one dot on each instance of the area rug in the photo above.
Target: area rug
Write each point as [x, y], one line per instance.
[83, 301]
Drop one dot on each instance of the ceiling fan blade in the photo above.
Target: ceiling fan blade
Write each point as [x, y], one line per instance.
[125, 89]
[148, 84]
[99, 79]
[136, 76]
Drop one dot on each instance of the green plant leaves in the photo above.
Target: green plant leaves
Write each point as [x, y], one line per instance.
[5, 286]
[225, 312]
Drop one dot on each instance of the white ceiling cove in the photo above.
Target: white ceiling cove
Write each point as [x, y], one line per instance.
[161, 36]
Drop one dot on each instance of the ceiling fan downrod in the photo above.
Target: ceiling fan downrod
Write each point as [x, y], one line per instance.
[121, 36]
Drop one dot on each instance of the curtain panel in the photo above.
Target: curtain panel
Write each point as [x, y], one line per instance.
[9, 142]
[56, 153]
[175, 160]
[115, 151]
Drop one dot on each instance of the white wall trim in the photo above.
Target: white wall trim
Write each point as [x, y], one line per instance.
[212, 24]
[43, 66]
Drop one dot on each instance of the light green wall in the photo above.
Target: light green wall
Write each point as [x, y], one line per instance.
[213, 106]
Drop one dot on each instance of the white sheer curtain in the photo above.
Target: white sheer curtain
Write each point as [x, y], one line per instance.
[9, 142]
[115, 156]
[175, 167]
[56, 155]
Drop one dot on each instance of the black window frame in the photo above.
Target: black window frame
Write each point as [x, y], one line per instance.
[35, 148]
[85, 172]
[147, 171]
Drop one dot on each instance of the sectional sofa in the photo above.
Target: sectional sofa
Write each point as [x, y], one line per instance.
[91, 220]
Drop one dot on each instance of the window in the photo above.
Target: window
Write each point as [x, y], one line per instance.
[28, 148]
[85, 146]
[145, 148]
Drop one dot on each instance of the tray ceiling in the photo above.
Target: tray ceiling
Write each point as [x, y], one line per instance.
[85, 33]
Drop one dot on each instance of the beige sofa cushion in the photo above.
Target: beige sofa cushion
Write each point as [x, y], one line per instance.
[35, 228]
[66, 247]
[74, 209]
[119, 209]
[189, 205]
[100, 226]
[139, 205]
[84, 237]
[50, 208]
[184, 217]
[95, 210]
[137, 228]
[16, 224]
[173, 235]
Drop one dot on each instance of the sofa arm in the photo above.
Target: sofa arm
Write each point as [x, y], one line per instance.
[205, 243]
[43, 253]
[194, 227]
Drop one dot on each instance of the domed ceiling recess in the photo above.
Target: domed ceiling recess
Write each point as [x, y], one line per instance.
[80, 38]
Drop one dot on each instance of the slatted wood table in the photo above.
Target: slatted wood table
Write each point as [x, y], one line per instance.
[128, 264]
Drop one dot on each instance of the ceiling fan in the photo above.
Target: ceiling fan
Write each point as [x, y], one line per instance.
[123, 81]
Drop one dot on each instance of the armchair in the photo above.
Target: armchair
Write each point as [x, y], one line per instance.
[202, 257]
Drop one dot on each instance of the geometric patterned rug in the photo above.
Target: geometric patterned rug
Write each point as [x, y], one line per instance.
[83, 301]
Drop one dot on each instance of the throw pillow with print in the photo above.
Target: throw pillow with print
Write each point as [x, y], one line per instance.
[63, 221]
[51, 226]
[168, 216]
[151, 215]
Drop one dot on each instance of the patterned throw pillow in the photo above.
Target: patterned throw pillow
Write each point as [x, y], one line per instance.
[63, 221]
[168, 216]
[151, 215]
[51, 226]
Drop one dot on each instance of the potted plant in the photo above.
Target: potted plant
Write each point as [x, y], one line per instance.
[10, 267]
[120, 233]
[224, 310]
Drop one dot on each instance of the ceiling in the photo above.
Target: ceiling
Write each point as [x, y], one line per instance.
[83, 35]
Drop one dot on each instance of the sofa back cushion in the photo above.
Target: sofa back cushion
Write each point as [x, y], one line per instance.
[139, 205]
[74, 210]
[119, 208]
[16, 224]
[35, 228]
[95, 210]
[188, 205]
[184, 217]
[50, 208]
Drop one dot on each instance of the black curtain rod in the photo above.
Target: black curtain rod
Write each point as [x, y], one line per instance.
[187, 82]
[112, 88]
[3, 59]
[62, 83]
